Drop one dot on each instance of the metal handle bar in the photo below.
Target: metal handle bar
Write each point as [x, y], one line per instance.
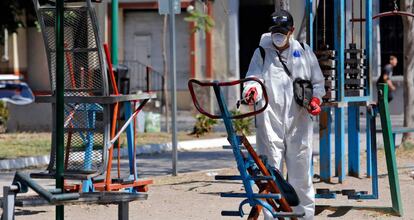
[191, 82]
[393, 13]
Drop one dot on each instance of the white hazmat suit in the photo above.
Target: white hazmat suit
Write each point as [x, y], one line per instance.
[284, 129]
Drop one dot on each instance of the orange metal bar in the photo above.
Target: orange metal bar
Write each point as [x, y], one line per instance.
[70, 66]
[117, 186]
[108, 179]
[272, 184]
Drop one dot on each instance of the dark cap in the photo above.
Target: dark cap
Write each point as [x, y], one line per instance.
[282, 22]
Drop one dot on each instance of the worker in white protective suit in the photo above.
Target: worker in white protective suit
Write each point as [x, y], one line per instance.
[285, 129]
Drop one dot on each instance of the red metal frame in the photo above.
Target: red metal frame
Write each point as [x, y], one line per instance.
[231, 83]
[393, 13]
[385, 14]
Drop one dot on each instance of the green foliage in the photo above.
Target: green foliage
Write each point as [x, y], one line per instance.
[242, 126]
[203, 125]
[202, 21]
[4, 113]
[11, 12]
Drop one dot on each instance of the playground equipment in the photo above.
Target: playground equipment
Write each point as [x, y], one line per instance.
[348, 83]
[90, 132]
[274, 194]
[84, 132]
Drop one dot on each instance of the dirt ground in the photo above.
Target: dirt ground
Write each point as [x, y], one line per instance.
[196, 196]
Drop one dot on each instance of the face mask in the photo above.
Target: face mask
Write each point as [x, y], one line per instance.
[280, 40]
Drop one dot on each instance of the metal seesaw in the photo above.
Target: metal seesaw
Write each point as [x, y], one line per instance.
[275, 194]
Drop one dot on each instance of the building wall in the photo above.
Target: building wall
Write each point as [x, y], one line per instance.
[150, 23]
[33, 64]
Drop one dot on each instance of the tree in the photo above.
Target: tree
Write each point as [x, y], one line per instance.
[202, 21]
[408, 22]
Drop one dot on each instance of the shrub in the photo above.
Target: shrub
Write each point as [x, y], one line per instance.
[203, 125]
[4, 115]
[242, 126]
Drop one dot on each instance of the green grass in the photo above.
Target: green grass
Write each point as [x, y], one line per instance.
[14, 145]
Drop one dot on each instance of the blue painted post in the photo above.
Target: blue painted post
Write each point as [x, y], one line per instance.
[370, 135]
[309, 25]
[373, 147]
[339, 40]
[339, 144]
[368, 90]
[130, 140]
[368, 47]
[353, 141]
[325, 152]
[87, 185]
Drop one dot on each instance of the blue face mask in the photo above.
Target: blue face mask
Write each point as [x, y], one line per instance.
[280, 40]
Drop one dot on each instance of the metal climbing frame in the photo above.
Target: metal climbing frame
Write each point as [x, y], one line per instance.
[81, 106]
[348, 84]
[340, 70]
[89, 134]
[252, 168]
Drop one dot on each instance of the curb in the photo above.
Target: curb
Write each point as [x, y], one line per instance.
[26, 162]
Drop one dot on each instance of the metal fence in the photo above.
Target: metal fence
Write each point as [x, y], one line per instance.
[144, 77]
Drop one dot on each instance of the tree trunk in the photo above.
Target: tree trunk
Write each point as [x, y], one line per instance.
[408, 6]
[165, 73]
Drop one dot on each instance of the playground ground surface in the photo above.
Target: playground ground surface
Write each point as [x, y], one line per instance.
[195, 195]
[25, 144]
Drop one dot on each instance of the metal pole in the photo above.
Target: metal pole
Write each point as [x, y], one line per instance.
[173, 89]
[114, 32]
[59, 26]
[309, 23]
[339, 38]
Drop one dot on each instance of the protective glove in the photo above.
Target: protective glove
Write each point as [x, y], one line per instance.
[252, 94]
[314, 106]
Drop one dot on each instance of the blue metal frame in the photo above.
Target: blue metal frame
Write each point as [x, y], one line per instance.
[369, 135]
[325, 149]
[253, 199]
[339, 36]
[372, 148]
[353, 141]
[130, 140]
[353, 112]
[235, 143]
[368, 53]
[309, 23]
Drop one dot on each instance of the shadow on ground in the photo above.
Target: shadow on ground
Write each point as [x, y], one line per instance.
[340, 211]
